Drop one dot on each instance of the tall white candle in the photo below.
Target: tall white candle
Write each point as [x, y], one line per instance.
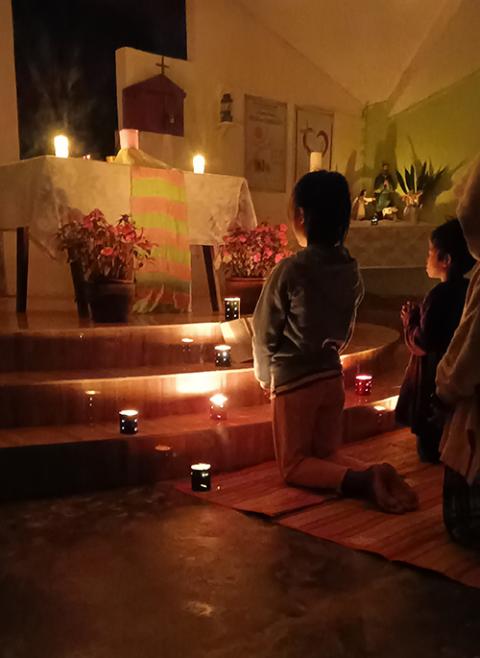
[198, 164]
[316, 161]
[60, 142]
[128, 138]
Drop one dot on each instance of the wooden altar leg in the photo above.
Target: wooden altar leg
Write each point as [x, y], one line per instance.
[78, 285]
[212, 283]
[22, 268]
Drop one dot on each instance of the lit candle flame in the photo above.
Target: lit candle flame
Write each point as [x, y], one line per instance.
[219, 400]
[198, 164]
[60, 143]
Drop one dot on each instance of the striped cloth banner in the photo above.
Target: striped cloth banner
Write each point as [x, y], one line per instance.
[158, 204]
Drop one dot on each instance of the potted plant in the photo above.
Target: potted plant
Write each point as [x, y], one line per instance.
[417, 184]
[248, 256]
[108, 255]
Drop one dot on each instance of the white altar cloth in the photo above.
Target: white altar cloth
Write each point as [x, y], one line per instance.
[38, 193]
[389, 244]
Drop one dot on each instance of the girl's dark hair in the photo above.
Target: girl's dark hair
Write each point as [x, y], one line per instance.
[324, 198]
[449, 240]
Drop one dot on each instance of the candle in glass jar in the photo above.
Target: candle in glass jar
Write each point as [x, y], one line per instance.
[232, 308]
[222, 356]
[201, 477]
[187, 345]
[128, 421]
[363, 384]
[218, 406]
[90, 395]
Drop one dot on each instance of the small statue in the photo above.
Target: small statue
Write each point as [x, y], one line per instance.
[384, 186]
[359, 205]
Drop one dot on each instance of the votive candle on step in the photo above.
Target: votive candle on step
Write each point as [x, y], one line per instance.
[201, 477]
[363, 384]
[223, 357]
[128, 421]
[218, 406]
[90, 395]
[187, 348]
[232, 308]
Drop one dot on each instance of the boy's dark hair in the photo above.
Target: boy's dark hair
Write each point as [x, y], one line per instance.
[448, 238]
[324, 198]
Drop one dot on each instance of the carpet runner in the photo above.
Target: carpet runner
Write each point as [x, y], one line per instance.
[259, 490]
[418, 538]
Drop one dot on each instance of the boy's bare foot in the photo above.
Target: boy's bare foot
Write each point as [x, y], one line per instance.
[390, 491]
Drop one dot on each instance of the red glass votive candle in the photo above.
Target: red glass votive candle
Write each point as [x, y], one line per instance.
[218, 406]
[363, 384]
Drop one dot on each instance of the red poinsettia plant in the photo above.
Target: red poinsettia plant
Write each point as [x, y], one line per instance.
[105, 251]
[254, 252]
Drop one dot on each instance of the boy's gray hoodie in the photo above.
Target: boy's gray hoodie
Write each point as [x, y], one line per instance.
[305, 316]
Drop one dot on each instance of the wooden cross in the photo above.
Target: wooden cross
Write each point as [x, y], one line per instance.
[162, 65]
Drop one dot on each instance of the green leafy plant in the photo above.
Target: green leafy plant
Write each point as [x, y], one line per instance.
[419, 181]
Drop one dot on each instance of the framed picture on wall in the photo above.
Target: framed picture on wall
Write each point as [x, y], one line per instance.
[265, 144]
[314, 132]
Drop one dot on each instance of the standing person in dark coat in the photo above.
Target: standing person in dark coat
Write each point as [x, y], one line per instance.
[428, 330]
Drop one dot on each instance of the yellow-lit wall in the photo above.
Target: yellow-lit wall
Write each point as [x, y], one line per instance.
[442, 128]
[433, 113]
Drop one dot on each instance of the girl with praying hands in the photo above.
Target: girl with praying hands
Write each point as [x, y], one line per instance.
[458, 390]
[428, 330]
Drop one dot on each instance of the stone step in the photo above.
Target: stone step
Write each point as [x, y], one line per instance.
[41, 461]
[38, 398]
[33, 399]
[117, 347]
[102, 347]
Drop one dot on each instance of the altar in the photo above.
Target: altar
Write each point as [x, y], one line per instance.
[389, 244]
[40, 192]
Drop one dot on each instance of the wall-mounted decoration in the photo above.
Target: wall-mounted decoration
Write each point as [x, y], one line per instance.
[154, 105]
[226, 108]
[314, 134]
[265, 144]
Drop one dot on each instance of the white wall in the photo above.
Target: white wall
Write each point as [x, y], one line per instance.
[8, 89]
[229, 50]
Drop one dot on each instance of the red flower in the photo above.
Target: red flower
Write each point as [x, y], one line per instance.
[104, 250]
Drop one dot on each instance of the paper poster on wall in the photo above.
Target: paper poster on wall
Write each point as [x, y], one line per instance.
[265, 144]
[314, 134]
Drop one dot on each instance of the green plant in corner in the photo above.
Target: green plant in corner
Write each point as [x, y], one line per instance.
[419, 182]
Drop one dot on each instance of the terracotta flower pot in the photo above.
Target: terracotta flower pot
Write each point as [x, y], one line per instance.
[247, 288]
[110, 301]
